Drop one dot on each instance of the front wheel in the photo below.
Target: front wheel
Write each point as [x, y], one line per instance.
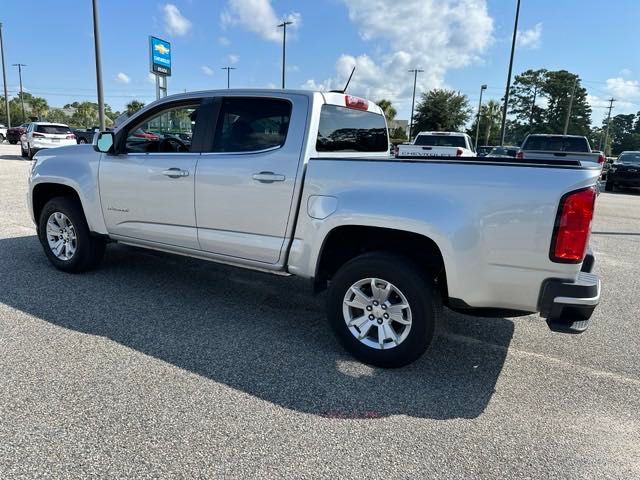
[383, 309]
[65, 237]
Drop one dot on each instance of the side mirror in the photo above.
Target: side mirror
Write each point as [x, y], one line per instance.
[104, 142]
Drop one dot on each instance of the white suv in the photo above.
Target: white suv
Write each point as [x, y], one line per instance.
[41, 135]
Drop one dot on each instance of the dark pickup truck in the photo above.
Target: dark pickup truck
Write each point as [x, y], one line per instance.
[624, 172]
[85, 135]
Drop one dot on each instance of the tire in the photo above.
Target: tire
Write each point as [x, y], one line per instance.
[23, 152]
[419, 292]
[609, 186]
[89, 250]
[82, 141]
[1, 138]
[30, 153]
[13, 142]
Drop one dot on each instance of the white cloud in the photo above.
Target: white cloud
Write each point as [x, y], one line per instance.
[625, 72]
[122, 77]
[531, 38]
[206, 70]
[224, 41]
[293, 68]
[434, 35]
[258, 16]
[174, 22]
[233, 59]
[623, 89]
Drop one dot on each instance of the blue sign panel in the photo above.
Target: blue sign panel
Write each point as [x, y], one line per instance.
[160, 56]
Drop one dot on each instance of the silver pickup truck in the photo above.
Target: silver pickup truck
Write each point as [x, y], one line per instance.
[301, 183]
[565, 149]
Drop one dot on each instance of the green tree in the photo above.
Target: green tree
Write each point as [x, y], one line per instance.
[133, 106]
[388, 109]
[38, 107]
[441, 110]
[398, 133]
[57, 115]
[86, 115]
[490, 121]
[622, 133]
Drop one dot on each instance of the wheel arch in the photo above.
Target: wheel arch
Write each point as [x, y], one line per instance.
[43, 192]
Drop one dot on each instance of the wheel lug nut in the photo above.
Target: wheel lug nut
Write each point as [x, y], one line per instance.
[371, 317]
[386, 315]
[375, 303]
[384, 307]
[369, 308]
[379, 321]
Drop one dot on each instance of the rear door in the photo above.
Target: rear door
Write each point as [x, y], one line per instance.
[245, 180]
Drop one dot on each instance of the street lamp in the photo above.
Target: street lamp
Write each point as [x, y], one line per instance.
[96, 46]
[415, 72]
[4, 80]
[482, 89]
[284, 42]
[228, 69]
[506, 94]
[20, 65]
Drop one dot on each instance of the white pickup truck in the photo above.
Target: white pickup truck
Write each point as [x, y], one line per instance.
[301, 183]
[438, 144]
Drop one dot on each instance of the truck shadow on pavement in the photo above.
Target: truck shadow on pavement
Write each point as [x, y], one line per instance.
[259, 334]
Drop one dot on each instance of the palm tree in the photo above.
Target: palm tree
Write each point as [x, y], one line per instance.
[387, 108]
[133, 106]
[491, 116]
[39, 106]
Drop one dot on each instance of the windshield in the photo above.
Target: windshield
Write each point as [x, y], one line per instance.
[53, 129]
[557, 144]
[440, 141]
[629, 158]
[510, 152]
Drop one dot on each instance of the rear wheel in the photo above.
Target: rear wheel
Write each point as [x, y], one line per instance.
[30, 152]
[65, 237]
[1, 138]
[82, 140]
[383, 309]
[23, 152]
[13, 142]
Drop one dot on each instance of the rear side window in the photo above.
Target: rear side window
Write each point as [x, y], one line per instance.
[251, 124]
[53, 129]
[441, 141]
[556, 144]
[347, 130]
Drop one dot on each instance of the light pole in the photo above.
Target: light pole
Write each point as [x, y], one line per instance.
[4, 80]
[482, 89]
[506, 93]
[415, 72]
[228, 69]
[20, 65]
[284, 44]
[96, 44]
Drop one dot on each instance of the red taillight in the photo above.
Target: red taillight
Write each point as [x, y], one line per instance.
[520, 155]
[602, 159]
[573, 226]
[459, 152]
[36, 134]
[71, 136]
[356, 103]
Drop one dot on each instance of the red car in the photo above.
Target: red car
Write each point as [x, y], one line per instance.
[146, 135]
[14, 133]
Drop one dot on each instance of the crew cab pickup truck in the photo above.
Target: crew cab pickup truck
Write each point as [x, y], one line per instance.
[301, 183]
[438, 144]
[561, 148]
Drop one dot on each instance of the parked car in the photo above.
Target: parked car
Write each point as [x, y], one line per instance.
[301, 183]
[502, 152]
[85, 135]
[3, 132]
[484, 150]
[606, 166]
[624, 172]
[568, 149]
[438, 144]
[14, 133]
[40, 135]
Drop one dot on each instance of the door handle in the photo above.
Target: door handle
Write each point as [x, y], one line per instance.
[268, 177]
[176, 173]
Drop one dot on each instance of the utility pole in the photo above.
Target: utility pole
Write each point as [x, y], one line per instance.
[415, 72]
[482, 89]
[506, 93]
[284, 43]
[96, 44]
[4, 80]
[228, 69]
[603, 148]
[20, 65]
[533, 104]
[573, 92]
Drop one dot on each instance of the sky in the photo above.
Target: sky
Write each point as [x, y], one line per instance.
[460, 44]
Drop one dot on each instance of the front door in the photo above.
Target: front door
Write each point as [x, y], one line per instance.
[147, 191]
[245, 183]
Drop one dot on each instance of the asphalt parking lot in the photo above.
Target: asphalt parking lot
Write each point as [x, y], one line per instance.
[161, 366]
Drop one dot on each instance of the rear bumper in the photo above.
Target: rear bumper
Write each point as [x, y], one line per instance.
[568, 305]
[624, 181]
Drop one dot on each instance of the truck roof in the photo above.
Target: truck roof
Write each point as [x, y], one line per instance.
[555, 135]
[458, 134]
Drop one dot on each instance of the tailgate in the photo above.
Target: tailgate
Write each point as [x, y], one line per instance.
[572, 157]
[426, 151]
